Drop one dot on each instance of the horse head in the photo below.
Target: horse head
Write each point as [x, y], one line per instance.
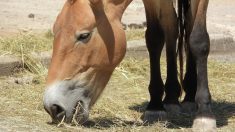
[89, 43]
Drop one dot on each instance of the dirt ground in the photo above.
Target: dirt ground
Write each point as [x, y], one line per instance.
[16, 15]
[21, 104]
[120, 106]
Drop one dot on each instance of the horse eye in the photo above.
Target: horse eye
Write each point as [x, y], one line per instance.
[83, 36]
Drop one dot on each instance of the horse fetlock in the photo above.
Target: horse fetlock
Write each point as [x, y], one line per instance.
[173, 108]
[154, 116]
[189, 107]
[173, 88]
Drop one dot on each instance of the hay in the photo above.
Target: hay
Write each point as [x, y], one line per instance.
[122, 103]
[76, 114]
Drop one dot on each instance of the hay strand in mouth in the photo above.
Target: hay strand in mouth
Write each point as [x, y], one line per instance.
[75, 118]
[61, 122]
[78, 108]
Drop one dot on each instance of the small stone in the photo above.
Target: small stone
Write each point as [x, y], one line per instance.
[31, 15]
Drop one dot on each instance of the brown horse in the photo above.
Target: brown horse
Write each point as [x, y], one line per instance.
[90, 42]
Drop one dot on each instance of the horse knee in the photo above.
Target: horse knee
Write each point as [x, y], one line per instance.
[154, 36]
[199, 43]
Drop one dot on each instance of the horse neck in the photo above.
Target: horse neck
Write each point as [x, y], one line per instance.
[117, 7]
[114, 8]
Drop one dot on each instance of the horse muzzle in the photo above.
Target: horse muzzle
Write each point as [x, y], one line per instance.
[66, 102]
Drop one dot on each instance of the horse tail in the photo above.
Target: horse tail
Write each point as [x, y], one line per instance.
[183, 7]
[181, 39]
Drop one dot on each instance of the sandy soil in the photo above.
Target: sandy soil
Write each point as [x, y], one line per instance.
[14, 15]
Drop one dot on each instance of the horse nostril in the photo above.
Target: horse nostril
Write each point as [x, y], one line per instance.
[57, 112]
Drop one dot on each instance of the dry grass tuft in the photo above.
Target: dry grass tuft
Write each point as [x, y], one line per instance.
[135, 34]
[24, 45]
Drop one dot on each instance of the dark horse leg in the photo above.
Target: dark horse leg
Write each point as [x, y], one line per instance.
[172, 87]
[197, 62]
[190, 79]
[161, 27]
[155, 41]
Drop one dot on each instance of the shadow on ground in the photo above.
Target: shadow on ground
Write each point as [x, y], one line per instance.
[222, 110]
[108, 122]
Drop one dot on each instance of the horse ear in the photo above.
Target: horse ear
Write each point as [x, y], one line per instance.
[72, 1]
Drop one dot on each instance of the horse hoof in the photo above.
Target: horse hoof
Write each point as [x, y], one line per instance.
[189, 107]
[204, 124]
[172, 108]
[154, 116]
